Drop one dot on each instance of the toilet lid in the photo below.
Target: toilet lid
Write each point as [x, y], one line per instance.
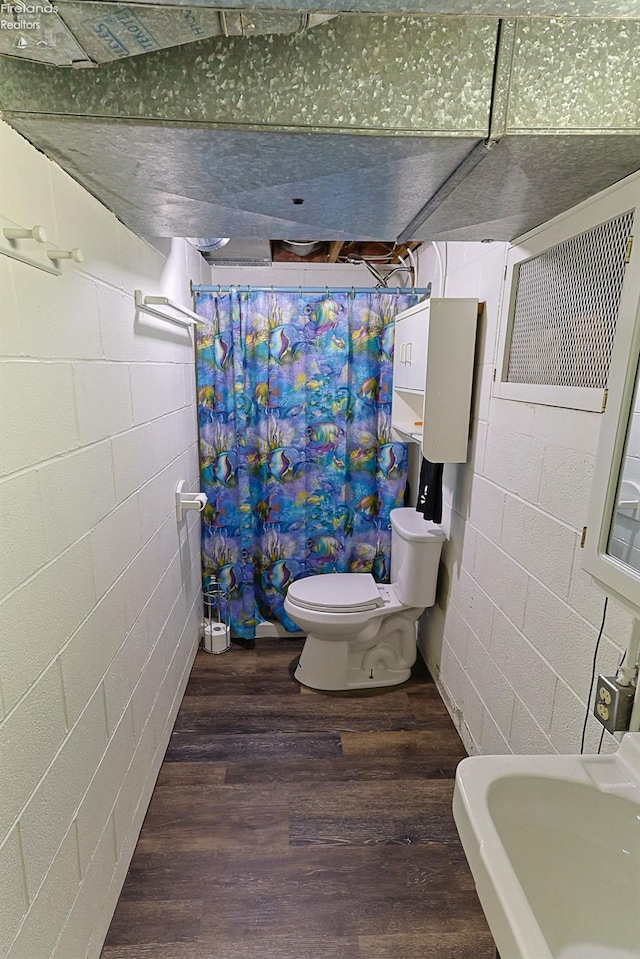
[340, 592]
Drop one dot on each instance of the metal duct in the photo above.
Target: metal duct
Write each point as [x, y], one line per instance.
[209, 244]
[241, 252]
[369, 121]
[301, 247]
[481, 8]
[85, 33]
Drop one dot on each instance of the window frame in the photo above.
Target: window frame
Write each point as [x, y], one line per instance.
[611, 203]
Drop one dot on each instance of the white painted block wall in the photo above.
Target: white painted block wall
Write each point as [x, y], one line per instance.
[100, 588]
[296, 274]
[512, 638]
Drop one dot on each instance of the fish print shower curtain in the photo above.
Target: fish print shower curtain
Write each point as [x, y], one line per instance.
[296, 453]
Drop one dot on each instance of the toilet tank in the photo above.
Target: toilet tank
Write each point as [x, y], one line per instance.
[416, 545]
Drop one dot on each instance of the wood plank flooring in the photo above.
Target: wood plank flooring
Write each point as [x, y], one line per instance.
[290, 824]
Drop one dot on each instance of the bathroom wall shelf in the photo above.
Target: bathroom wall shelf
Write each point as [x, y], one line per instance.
[149, 304]
[433, 376]
[408, 433]
[30, 246]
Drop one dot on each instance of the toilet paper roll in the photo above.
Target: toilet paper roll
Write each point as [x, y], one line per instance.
[201, 498]
[216, 638]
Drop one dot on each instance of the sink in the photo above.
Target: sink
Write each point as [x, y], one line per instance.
[553, 843]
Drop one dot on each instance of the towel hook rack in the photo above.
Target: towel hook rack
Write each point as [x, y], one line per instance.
[37, 233]
[17, 243]
[75, 254]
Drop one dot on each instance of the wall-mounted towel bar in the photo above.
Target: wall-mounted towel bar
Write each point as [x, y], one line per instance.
[147, 304]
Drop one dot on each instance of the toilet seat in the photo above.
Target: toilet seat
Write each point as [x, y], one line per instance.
[336, 592]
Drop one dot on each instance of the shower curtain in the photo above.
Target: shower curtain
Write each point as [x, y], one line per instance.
[296, 453]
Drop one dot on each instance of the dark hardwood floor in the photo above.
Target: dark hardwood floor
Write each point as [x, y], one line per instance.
[289, 824]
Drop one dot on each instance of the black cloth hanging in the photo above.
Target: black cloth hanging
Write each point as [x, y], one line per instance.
[430, 491]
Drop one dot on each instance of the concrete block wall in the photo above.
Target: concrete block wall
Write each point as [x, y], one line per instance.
[100, 589]
[512, 637]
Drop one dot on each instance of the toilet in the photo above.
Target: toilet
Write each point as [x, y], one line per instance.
[361, 633]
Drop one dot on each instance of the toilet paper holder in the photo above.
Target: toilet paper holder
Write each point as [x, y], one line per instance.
[216, 633]
[186, 500]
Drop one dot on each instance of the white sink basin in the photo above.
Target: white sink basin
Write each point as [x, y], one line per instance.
[554, 847]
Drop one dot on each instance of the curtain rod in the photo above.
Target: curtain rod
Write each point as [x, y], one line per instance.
[204, 288]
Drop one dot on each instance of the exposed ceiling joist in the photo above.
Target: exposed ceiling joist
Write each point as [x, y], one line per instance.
[334, 250]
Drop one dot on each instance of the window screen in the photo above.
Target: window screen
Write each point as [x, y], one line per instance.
[566, 307]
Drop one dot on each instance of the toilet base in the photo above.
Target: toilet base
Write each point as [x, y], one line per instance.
[333, 664]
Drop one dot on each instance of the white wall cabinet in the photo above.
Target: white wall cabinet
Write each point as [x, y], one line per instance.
[433, 376]
[410, 355]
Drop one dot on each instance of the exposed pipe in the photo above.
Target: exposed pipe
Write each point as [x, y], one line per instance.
[634, 722]
[408, 270]
[414, 262]
[443, 272]
[371, 258]
[371, 268]
[210, 244]
[301, 247]
[383, 280]
[627, 674]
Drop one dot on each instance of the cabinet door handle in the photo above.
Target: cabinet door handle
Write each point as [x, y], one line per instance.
[410, 347]
[403, 350]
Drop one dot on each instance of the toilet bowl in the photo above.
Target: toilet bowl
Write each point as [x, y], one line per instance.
[361, 633]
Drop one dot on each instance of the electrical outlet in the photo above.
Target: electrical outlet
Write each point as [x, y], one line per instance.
[613, 704]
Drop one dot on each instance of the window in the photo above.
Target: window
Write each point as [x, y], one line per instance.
[560, 318]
